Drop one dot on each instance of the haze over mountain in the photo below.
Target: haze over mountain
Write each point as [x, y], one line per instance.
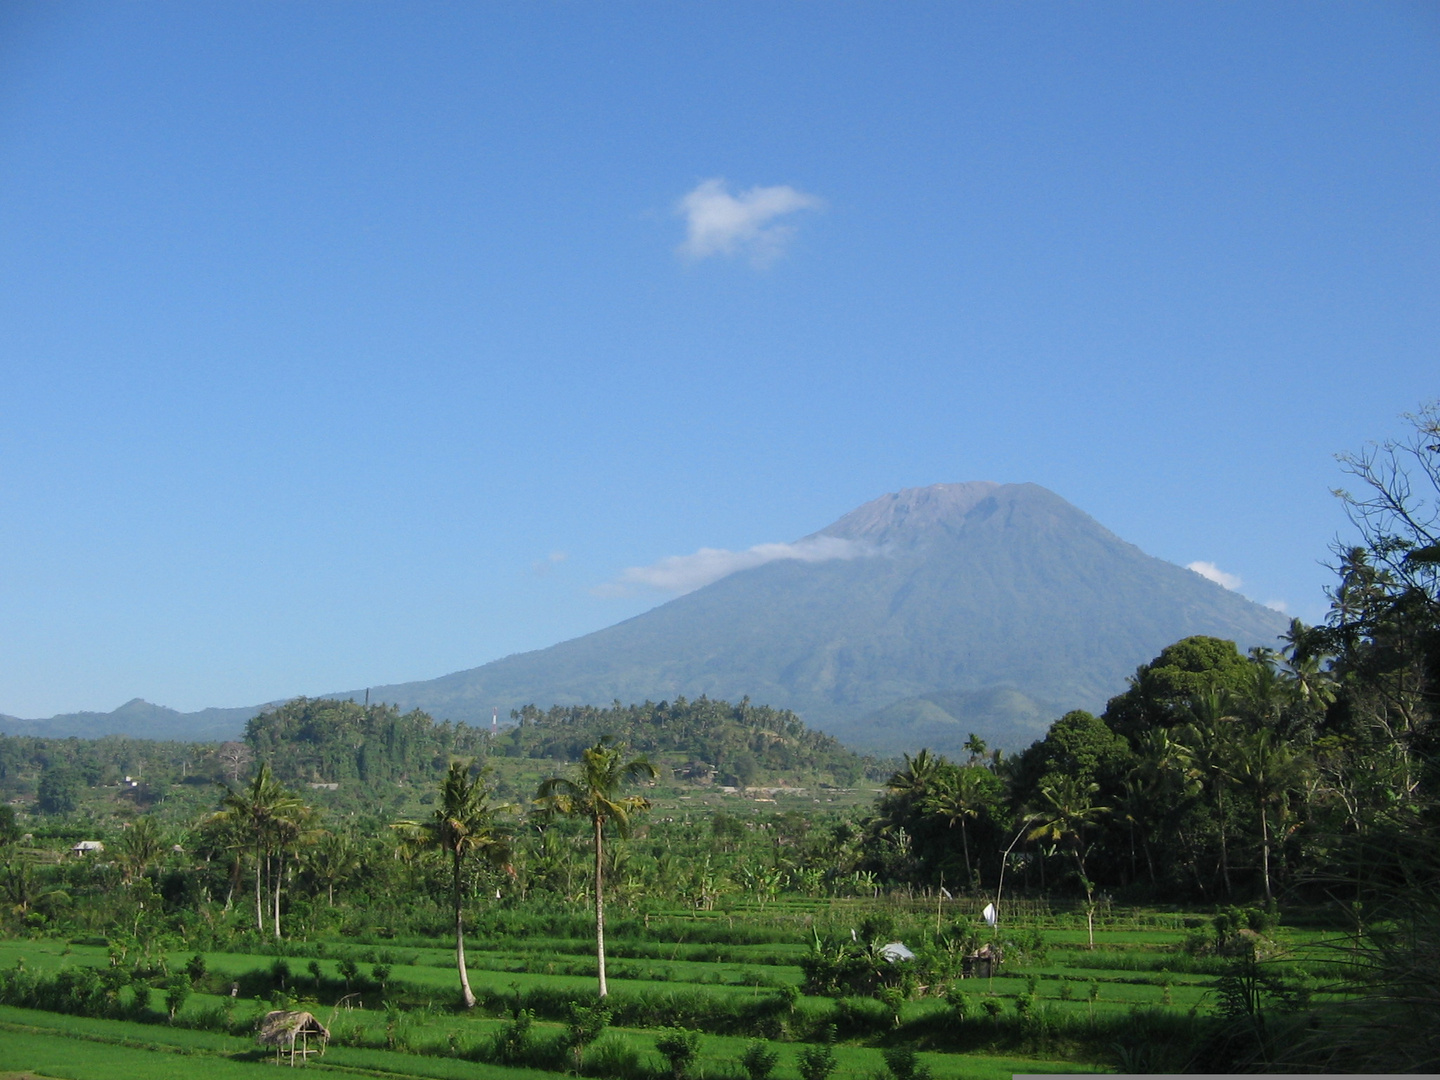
[913, 620]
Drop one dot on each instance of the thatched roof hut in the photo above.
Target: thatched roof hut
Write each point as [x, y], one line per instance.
[283, 1028]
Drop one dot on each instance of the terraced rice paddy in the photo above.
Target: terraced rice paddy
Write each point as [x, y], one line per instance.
[734, 977]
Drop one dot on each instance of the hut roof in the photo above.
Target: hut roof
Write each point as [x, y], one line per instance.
[281, 1027]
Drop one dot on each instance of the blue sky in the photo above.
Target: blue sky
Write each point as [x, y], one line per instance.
[347, 344]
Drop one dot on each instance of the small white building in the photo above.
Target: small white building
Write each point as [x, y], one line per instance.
[88, 847]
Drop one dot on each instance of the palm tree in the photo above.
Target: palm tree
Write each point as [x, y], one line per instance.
[331, 860]
[265, 814]
[919, 774]
[139, 846]
[1066, 811]
[1209, 734]
[1270, 770]
[463, 825]
[595, 794]
[957, 794]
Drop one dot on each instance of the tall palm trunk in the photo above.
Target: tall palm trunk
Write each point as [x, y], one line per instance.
[465, 992]
[279, 875]
[600, 906]
[259, 900]
[970, 882]
[1265, 851]
[1224, 845]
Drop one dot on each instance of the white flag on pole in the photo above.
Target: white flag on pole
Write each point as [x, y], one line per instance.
[989, 914]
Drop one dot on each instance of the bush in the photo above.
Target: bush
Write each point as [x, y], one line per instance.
[904, 1063]
[816, 1062]
[759, 1060]
[678, 1046]
[512, 1042]
[959, 1002]
[177, 992]
[612, 1057]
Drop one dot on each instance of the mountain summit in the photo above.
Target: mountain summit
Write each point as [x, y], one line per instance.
[978, 607]
[954, 608]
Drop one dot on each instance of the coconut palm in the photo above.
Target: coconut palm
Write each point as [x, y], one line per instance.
[955, 795]
[332, 860]
[916, 778]
[140, 845]
[463, 826]
[595, 794]
[1066, 809]
[1210, 734]
[1270, 771]
[267, 816]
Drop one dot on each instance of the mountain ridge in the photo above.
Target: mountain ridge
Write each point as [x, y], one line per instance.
[969, 594]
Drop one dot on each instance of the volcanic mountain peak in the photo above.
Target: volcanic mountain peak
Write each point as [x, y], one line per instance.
[916, 516]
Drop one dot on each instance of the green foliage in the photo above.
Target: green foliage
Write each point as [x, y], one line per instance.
[177, 992]
[58, 791]
[816, 1062]
[324, 740]
[903, 1063]
[678, 1046]
[759, 1060]
[738, 744]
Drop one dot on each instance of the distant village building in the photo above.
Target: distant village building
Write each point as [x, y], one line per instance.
[88, 847]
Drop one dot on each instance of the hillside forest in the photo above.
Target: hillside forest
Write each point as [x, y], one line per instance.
[1299, 778]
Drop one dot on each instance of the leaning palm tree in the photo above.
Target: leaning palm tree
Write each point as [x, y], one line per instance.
[462, 826]
[595, 794]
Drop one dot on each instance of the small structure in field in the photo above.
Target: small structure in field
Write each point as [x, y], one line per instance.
[896, 952]
[982, 964]
[88, 847]
[284, 1028]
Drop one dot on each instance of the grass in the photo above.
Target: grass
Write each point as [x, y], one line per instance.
[718, 971]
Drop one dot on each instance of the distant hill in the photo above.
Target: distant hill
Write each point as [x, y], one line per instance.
[139, 719]
[959, 607]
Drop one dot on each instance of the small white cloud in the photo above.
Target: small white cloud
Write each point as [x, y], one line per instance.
[718, 223]
[1211, 572]
[685, 573]
[1278, 605]
[545, 565]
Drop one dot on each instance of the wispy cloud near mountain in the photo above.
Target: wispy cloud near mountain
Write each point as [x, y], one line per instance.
[685, 573]
[1210, 572]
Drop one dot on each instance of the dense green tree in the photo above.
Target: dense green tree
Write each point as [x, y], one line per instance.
[58, 791]
[1160, 690]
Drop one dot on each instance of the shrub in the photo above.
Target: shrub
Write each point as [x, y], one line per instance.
[904, 1063]
[177, 992]
[759, 1060]
[816, 1062]
[613, 1057]
[512, 1042]
[678, 1046]
[959, 1002]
